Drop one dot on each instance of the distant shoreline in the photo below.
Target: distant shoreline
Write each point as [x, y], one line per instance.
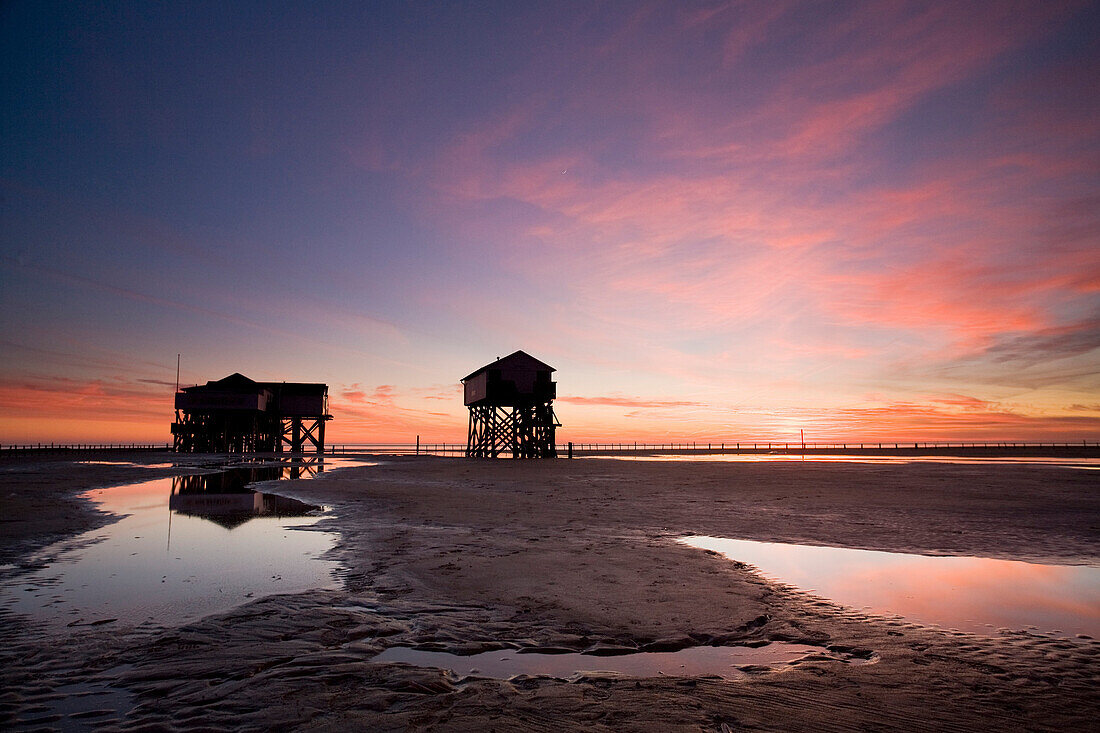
[960, 449]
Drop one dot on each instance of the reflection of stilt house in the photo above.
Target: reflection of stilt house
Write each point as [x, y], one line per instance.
[224, 497]
[238, 415]
[511, 408]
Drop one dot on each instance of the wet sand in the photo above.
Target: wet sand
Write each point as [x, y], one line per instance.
[578, 555]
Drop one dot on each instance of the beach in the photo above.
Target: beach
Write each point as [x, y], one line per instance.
[583, 555]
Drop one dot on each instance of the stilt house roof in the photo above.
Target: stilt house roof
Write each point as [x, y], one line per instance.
[516, 361]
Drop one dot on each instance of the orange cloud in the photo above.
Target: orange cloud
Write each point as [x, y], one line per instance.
[626, 402]
[72, 410]
[383, 415]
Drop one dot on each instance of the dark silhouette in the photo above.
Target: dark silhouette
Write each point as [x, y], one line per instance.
[223, 497]
[511, 408]
[238, 415]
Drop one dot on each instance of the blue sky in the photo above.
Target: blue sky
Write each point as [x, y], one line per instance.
[716, 219]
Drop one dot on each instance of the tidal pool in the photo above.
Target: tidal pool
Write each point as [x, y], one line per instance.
[973, 594]
[728, 662]
[185, 547]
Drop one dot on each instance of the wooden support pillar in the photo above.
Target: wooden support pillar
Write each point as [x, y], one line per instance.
[525, 431]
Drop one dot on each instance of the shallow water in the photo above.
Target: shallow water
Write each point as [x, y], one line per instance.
[973, 594]
[729, 662]
[113, 463]
[186, 547]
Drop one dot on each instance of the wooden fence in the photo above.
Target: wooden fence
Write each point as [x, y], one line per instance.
[953, 447]
[10, 449]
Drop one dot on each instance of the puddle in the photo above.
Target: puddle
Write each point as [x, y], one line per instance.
[128, 463]
[728, 662]
[973, 594]
[187, 547]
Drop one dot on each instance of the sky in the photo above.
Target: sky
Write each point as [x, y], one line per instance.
[717, 220]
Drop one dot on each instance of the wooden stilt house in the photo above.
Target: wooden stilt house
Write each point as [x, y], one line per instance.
[511, 408]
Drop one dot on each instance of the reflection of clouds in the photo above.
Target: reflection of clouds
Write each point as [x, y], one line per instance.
[123, 499]
[151, 564]
[958, 592]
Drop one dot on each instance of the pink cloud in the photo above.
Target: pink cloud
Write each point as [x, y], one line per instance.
[626, 402]
[384, 414]
[962, 401]
[730, 230]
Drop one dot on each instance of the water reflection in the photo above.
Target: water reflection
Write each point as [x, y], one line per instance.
[967, 593]
[252, 470]
[224, 498]
[728, 662]
[128, 463]
[186, 546]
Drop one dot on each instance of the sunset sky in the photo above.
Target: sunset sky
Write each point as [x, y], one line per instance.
[717, 220]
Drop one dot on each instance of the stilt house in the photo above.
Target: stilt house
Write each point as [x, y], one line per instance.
[239, 415]
[511, 408]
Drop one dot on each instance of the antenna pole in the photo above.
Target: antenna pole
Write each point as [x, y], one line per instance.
[177, 372]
